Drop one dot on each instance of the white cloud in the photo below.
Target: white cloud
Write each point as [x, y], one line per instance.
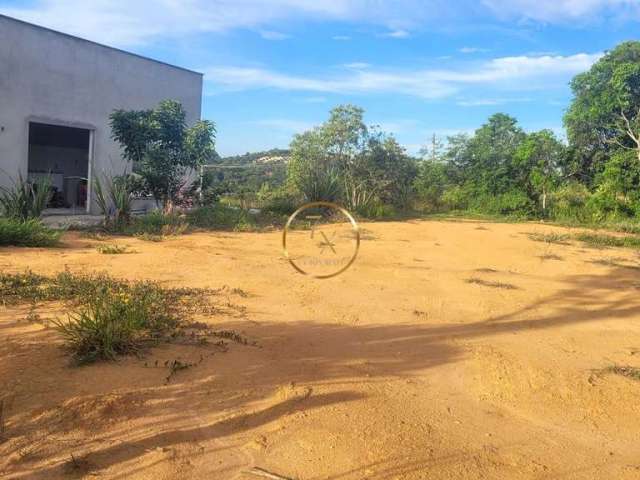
[126, 22]
[313, 100]
[356, 65]
[341, 38]
[473, 50]
[484, 102]
[284, 125]
[396, 34]
[509, 73]
[560, 11]
[271, 35]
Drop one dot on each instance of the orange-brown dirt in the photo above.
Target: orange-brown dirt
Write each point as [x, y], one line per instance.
[449, 350]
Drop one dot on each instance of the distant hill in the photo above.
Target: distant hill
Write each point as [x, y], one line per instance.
[274, 156]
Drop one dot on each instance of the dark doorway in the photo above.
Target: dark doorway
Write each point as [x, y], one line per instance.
[61, 154]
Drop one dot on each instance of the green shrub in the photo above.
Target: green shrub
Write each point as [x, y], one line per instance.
[377, 211]
[455, 198]
[113, 323]
[220, 216]
[149, 237]
[109, 316]
[514, 203]
[30, 233]
[559, 238]
[114, 249]
[282, 200]
[569, 203]
[25, 200]
[31, 287]
[114, 197]
[599, 240]
[158, 223]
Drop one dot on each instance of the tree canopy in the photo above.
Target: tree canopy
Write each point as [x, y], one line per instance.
[161, 147]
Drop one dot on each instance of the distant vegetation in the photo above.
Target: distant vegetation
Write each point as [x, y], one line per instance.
[275, 155]
[502, 170]
[591, 178]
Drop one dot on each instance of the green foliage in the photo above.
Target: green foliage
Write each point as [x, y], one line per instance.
[221, 217]
[114, 196]
[618, 191]
[157, 223]
[119, 322]
[605, 99]
[377, 211]
[311, 171]
[569, 203]
[537, 165]
[65, 286]
[29, 233]
[283, 200]
[275, 155]
[599, 240]
[431, 183]
[553, 237]
[161, 146]
[25, 200]
[487, 162]
[113, 249]
[343, 160]
[109, 317]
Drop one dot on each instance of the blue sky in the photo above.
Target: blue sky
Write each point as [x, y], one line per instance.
[275, 67]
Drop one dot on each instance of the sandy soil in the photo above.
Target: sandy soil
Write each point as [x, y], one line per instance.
[398, 369]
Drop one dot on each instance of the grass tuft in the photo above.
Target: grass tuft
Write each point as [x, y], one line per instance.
[558, 238]
[629, 372]
[118, 322]
[492, 284]
[110, 317]
[601, 240]
[114, 249]
[29, 233]
[550, 256]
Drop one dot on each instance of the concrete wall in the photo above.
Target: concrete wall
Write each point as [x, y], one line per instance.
[54, 78]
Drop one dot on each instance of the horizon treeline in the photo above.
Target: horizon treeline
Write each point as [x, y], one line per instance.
[499, 169]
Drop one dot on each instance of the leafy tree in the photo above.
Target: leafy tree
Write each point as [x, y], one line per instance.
[344, 159]
[604, 114]
[162, 148]
[486, 161]
[311, 169]
[536, 163]
[433, 151]
[431, 182]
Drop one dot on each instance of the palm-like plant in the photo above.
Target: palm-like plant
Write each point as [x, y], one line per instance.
[114, 196]
[25, 200]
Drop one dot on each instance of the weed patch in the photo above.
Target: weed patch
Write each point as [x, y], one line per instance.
[29, 233]
[550, 256]
[629, 372]
[558, 238]
[492, 284]
[110, 317]
[114, 249]
[600, 240]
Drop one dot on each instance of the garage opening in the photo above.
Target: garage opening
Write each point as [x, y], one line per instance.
[61, 154]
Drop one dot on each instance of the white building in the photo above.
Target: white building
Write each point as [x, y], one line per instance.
[56, 94]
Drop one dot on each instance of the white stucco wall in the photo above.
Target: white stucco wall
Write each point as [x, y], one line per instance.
[54, 78]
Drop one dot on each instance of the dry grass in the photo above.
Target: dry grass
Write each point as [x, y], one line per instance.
[492, 284]
[629, 372]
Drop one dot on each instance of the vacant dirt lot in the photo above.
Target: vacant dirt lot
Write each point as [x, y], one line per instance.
[450, 350]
